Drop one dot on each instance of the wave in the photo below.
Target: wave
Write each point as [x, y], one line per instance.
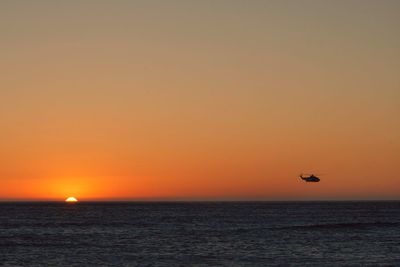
[356, 225]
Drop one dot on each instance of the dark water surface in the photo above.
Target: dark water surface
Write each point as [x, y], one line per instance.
[200, 234]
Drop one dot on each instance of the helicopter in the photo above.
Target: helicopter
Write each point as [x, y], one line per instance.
[311, 179]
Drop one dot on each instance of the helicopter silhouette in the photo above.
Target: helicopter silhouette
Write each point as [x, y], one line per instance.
[310, 179]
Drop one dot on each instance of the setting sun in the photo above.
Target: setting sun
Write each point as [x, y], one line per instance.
[71, 199]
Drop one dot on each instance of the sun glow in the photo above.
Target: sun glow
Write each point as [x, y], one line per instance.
[71, 199]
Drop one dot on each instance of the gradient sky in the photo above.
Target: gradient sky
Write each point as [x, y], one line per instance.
[199, 99]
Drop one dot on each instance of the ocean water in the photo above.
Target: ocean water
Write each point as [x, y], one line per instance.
[200, 234]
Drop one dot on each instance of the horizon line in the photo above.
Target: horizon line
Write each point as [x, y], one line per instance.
[193, 200]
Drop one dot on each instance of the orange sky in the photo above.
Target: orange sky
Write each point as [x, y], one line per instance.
[199, 100]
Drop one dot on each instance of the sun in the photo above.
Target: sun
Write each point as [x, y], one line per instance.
[71, 199]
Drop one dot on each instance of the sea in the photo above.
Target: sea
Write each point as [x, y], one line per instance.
[200, 234]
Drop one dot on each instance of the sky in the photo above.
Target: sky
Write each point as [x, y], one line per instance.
[199, 100]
